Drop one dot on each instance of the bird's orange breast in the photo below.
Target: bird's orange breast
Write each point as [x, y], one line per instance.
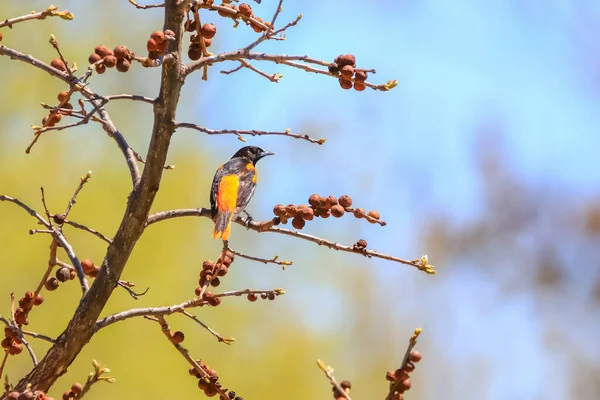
[227, 192]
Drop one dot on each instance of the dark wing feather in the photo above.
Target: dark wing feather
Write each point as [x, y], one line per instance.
[234, 166]
[245, 191]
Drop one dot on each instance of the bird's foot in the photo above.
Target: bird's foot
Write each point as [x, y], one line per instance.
[248, 219]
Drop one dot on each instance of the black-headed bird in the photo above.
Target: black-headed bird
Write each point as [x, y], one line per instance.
[232, 188]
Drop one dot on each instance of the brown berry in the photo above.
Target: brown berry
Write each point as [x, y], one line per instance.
[87, 265]
[66, 110]
[345, 84]
[374, 214]
[361, 244]
[214, 301]
[359, 212]
[325, 214]
[298, 222]
[347, 71]
[94, 272]
[198, 291]
[121, 52]
[0, 36]
[331, 201]
[279, 210]
[20, 316]
[15, 348]
[389, 376]
[207, 42]
[51, 284]
[291, 210]
[94, 58]
[102, 51]
[100, 68]
[195, 51]
[63, 97]
[306, 213]
[46, 121]
[67, 395]
[110, 61]
[263, 296]
[252, 297]
[345, 385]
[345, 59]
[400, 374]
[162, 46]
[337, 211]
[63, 274]
[58, 64]
[123, 65]
[6, 342]
[9, 334]
[158, 36]
[190, 25]
[151, 45]
[56, 118]
[360, 75]
[153, 55]
[405, 385]
[177, 337]
[214, 282]
[208, 265]
[245, 10]
[225, 13]
[77, 388]
[271, 296]
[345, 201]
[415, 356]
[38, 300]
[208, 30]
[255, 26]
[409, 367]
[313, 200]
[359, 86]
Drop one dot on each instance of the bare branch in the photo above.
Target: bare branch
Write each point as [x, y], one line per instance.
[254, 132]
[274, 260]
[49, 12]
[268, 226]
[145, 7]
[95, 377]
[245, 64]
[208, 328]
[134, 97]
[177, 308]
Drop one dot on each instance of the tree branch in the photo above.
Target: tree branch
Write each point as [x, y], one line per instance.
[49, 12]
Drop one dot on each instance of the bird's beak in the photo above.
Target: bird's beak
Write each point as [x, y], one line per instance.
[265, 153]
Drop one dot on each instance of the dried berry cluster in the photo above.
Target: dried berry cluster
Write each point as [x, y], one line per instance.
[211, 385]
[29, 395]
[344, 66]
[322, 207]
[103, 58]
[158, 43]
[346, 385]
[400, 379]
[252, 297]
[75, 390]
[11, 341]
[205, 33]
[0, 36]
[211, 271]
[244, 11]
[55, 116]
[64, 274]
[26, 303]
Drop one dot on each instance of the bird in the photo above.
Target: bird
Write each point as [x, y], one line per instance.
[232, 188]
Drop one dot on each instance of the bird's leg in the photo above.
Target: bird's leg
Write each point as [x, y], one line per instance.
[225, 245]
[248, 219]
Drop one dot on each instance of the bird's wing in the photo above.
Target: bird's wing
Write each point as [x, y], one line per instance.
[213, 191]
[246, 188]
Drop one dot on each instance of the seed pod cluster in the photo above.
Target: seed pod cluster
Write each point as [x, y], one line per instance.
[89, 269]
[103, 58]
[158, 43]
[54, 116]
[73, 392]
[205, 33]
[212, 271]
[210, 385]
[344, 66]
[346, 386]
[400, 379]
[26, 304]
[324, 207]
[29, 395]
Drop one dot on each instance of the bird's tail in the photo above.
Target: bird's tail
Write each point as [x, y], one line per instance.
[222, 227]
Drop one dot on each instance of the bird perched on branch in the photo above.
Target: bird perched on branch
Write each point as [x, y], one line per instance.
[233, 187]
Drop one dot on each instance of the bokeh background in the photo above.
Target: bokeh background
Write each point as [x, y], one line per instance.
[485, 157]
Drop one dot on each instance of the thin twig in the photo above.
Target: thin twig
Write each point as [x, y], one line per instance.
[145, 7]
[254, 132]
[208, 328]
[131, 292]
[49, 12]
[90, 230]
[274, 260]
[245, 64]
[3, 361]
[134, 97]
[95, 377]
[329, 374]
[83, 181]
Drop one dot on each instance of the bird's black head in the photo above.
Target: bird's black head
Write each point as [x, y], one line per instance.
[252, 153]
